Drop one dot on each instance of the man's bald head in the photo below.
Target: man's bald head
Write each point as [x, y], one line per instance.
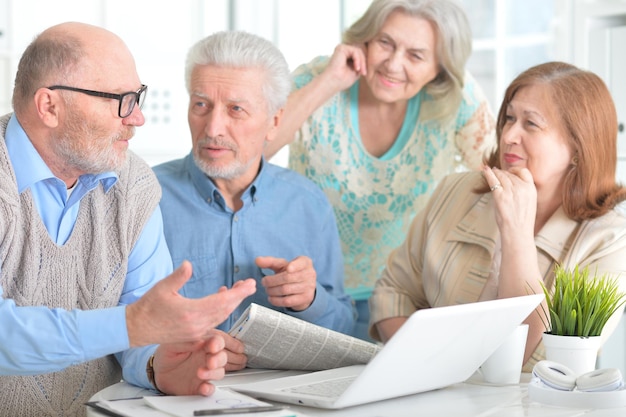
[60, 55]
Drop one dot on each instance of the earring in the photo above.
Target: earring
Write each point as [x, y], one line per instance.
[575, 160]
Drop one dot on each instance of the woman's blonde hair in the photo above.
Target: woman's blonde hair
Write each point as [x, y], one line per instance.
[454, 45]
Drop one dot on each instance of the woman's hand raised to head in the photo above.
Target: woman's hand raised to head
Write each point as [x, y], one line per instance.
[346, 65]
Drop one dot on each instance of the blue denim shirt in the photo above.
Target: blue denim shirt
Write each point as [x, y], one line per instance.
[283, 215]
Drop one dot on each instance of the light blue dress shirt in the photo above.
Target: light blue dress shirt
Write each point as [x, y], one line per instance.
[35, 340]
[284, 215]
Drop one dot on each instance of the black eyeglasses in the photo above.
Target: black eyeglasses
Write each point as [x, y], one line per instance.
[127, 100]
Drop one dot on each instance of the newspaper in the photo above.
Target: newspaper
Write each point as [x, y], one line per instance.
[275, 340]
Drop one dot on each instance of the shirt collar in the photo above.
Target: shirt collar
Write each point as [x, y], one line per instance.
[555, 236]
[30, 168]
[210, 192]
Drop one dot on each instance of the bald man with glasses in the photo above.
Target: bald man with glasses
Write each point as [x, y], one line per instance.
[84, 302]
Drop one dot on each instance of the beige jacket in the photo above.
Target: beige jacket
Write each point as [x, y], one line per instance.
[449, 252]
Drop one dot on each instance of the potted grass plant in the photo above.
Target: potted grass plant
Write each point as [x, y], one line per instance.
[578, 308]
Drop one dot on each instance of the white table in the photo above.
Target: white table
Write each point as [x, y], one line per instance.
[468, 399]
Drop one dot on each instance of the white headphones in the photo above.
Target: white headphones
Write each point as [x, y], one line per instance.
[560, 377]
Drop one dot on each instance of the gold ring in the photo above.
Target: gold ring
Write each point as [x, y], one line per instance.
[495, 187]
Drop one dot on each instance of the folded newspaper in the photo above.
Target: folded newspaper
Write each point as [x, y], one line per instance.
[275, 340]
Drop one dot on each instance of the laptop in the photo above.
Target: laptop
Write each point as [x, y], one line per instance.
[435, 347]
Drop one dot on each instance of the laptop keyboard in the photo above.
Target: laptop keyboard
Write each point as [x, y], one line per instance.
[328, 388]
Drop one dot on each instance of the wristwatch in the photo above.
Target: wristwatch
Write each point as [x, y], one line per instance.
[150, 373]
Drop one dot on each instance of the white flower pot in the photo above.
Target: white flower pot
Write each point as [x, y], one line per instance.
[577, 353]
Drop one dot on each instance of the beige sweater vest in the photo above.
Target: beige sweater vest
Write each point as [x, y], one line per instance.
[87, 272]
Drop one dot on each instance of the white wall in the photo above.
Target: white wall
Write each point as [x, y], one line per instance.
[159, 35]
[598, 39]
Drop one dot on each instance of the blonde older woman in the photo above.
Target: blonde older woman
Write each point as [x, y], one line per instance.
[380, 122]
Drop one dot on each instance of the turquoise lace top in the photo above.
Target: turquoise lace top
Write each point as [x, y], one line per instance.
[375, 198]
